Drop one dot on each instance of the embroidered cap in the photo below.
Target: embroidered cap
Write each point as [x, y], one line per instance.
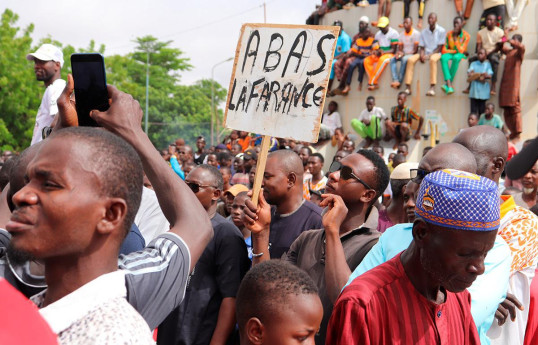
[459, 200]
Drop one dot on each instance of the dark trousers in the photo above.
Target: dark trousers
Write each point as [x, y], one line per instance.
[359, 64]
[407, 3]
[478, 106]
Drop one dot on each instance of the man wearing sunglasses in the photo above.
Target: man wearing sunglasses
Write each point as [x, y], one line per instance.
[398, 238]
[349, 227]
[207, 314]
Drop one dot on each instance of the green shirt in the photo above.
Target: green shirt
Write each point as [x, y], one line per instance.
[495, 121]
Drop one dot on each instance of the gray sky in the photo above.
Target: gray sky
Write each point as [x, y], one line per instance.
[206, 31]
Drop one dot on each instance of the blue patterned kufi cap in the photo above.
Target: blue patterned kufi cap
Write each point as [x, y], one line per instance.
[459, 200]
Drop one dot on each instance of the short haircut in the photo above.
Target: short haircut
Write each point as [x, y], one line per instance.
[381, 172]
[408, 17]
[379, 147]
[492, 15]
[370, 98]
[215, 174]
[473, 114]
[397, 160]
[402, 93]
[335, 104]
[265, 289]
[518, 37]
[224, 156]
[111, 157]
[308, 149]
[397, 187]
[458, 18]
[225, 169]
[289, 161]
[489, 104]
[404, 145]
[319, 155]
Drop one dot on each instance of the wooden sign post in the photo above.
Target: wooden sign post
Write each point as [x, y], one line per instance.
[278, 84]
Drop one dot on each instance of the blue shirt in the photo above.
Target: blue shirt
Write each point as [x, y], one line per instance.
[480, 90]
[487, 291]
[342, 44]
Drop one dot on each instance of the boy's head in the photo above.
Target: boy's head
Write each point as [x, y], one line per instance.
[277, 303]
[490, 109]
[482, 55]
[472, 120]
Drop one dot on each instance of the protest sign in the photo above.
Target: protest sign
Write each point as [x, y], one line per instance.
[279, 80]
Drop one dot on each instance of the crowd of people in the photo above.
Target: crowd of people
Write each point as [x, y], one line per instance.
[106, 239]
[371, 53]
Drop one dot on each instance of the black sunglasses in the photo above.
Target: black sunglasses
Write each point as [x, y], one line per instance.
[346, 173]
[417, 175]
[195, 187]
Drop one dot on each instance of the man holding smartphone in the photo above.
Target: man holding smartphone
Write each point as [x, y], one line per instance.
[48, 62]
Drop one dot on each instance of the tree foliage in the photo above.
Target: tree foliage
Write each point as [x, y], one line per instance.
[175, 110]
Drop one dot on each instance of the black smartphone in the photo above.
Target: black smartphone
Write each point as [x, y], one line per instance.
[90, 86]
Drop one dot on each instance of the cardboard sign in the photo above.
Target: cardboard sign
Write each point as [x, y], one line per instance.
[279, 80]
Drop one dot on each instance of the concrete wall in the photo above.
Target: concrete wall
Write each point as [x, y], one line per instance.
[453, 108]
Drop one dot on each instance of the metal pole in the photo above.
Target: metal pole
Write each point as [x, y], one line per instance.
[213, 105]
[147, 92]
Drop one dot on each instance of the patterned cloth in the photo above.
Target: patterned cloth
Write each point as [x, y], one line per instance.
[456, 46]
[459, 200]
[404, 114]
[519, 228]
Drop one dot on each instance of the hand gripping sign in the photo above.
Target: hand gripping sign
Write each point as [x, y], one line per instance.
[279, 82]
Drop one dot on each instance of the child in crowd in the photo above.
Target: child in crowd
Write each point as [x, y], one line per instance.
[277, 303]
[479, 74]
[238, 205]
[489, 118]
[472, 119]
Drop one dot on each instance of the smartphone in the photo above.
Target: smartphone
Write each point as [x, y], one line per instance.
[90, 86]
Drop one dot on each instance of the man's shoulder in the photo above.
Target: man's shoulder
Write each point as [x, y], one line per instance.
[369, 286]
[223, 227]
[310, 208]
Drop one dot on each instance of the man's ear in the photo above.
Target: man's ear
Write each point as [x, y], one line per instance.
[498, 166]
[115, 212]
[58, 65]
[292, 179]
[216, 194]
[368, 196]
[420, 231]
[254, 331]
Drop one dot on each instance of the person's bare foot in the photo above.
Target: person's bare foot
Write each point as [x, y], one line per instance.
[368, 143]
[419, 25]
[513, 28]
[345, 91]
[359, 88]
[465, 91]
[395, 84]
[373, 87]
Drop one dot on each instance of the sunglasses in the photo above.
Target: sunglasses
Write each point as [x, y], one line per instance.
[417, 175]
[195, 187]
[346, 173]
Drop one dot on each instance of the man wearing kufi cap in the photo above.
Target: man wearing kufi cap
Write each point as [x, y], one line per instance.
[395, 212]
[48, 61]
[419, 296]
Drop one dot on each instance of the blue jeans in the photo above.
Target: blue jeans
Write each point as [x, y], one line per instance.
[399, 75]
[359, 63]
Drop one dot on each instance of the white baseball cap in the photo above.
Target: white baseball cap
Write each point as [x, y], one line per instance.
[364, 19]
[47, 52]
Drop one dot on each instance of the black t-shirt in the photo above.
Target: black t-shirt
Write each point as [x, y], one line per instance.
[284, 229]
[217, 275]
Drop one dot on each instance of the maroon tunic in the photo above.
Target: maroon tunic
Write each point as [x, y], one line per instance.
[383, 307]
[509, 91]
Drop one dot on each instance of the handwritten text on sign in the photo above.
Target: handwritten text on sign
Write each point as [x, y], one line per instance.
[279, 80]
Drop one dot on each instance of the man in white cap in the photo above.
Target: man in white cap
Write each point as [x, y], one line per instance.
[48, 61]
[395, 213]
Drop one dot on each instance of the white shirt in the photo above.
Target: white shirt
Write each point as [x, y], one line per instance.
[377, 111]
[47, 109]
[385, 41]
[96, 313]
[430, 40]
[150, 219]
[332, 121]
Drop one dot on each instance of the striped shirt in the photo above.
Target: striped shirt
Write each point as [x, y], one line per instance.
[404, 114]
[383, 307]
[456, 46]
[363, 47]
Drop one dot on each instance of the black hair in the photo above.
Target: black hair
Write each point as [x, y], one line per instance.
[397, 160]
[264, 291]
[111, 157]
[370, 98]
[308, 149]
[408, 17]
[472, 114]
[381, 172]
[518, 37]
[489, 104]
[402, 93]
[335, 105]
[5, 171]
[319, 155]
[397, 187]
[403, 144]
[224, 156]
[217, 176]
[460, 18]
